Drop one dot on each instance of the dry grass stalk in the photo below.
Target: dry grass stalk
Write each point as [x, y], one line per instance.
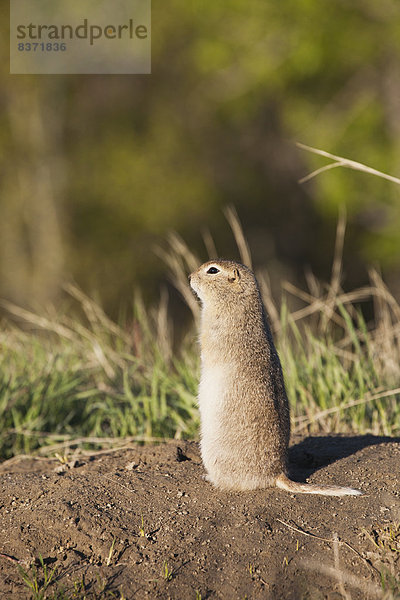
[335, 538]
[335, 288]
[304, 421]
[268, 300]
[237, 230]
[369, 589]
[181, 261]
[339, 161]
[209, 244]
[337, 567]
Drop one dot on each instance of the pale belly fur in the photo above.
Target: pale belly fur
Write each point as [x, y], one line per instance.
[225, 457]
[212, 395]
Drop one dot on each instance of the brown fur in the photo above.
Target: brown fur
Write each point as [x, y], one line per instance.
[245, 423]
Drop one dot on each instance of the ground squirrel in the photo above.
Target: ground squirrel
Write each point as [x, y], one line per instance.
[244, 410]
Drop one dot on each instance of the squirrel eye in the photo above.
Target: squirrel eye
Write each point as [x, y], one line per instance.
[213, 270]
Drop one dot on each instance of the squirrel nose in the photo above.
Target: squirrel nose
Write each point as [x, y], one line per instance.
[189, 277]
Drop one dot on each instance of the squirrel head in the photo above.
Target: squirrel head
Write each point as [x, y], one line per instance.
[223, 281]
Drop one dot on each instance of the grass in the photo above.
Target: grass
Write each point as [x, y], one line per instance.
[38, 579]
[166, 572]
[43, 585]
[88, 382]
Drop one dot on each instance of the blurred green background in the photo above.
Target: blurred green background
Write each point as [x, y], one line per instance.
[96, 170]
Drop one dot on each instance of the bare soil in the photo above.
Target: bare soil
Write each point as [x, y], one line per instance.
[143, 523]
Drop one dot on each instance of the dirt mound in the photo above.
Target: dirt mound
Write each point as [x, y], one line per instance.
[143, 523]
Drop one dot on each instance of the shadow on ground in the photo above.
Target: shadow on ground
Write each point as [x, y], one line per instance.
[312, 453]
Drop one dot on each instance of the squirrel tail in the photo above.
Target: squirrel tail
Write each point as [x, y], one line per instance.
[287, 484]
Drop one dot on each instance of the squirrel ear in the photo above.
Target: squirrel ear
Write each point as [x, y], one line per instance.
[234, 276]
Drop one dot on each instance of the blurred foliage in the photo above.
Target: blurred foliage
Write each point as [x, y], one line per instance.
[97, 169]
